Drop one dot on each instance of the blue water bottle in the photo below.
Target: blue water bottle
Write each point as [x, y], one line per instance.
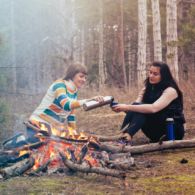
[170, 129]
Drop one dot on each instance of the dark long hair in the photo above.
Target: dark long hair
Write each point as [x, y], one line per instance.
[167, 80]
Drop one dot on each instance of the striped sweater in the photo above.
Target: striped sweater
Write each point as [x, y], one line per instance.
[57, 107]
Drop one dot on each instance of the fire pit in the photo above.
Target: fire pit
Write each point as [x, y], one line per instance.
[65, 153]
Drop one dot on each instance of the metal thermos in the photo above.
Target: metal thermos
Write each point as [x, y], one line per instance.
[95, 104]
[170, 129]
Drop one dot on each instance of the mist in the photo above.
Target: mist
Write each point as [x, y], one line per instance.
[35, 38]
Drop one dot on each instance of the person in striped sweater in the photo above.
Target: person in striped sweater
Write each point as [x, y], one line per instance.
[56, 112]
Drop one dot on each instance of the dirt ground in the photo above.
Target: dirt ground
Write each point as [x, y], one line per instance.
[168, 172]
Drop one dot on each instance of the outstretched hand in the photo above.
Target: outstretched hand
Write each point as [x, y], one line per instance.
[98, 98]
[120, 108]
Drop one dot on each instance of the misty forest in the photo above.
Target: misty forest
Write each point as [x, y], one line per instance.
[116, 40]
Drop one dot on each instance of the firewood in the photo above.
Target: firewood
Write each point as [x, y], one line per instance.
[102, 138]
[119, 155]
[166, 145]
[87, 169]
[17, 169]
[83, 153]
[31, 146]
[42, 168]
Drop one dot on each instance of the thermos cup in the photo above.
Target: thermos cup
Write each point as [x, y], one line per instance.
[170, 129]
[95, 104]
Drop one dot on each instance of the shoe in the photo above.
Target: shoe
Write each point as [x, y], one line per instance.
[15, 142]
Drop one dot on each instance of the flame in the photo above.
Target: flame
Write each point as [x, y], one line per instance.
[82, 136]
[50, 150]
[36, 165]
[43, 127]
[23, 152]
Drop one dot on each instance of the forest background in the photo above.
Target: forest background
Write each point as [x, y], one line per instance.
[115, 39]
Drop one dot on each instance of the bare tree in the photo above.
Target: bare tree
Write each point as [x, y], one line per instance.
[121, 46]
[75, 35]
[101, 47]
[156, 31]
[13, 46]
[82, 54]
[142, 34]
[172, 50]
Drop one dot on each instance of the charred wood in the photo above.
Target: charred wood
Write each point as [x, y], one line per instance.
[31, 146]
[89, 169]
[42, 168]
[121, 161]
[72, 155]
[6, 159]
[17, 169]
[83, 153]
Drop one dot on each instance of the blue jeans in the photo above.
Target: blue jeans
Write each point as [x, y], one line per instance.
[31, 135]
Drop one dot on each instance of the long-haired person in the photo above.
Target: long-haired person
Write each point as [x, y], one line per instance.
[56, 112]
[160, 99]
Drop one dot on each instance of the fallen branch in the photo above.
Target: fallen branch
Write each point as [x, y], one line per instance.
[88, 169]
[166, 145]
[17, 169]
[107, 138]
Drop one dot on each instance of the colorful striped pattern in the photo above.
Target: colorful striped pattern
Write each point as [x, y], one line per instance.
[57, 107]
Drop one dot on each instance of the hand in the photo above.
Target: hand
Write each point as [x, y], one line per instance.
[126, 137]
[98, 98]
[120, 107]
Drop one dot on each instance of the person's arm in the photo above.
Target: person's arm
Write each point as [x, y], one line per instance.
[166, 98]
[66, 103]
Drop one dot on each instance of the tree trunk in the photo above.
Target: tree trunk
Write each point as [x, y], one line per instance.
[101, 47]
[13, 47]
[156, 31]
[75, 36]
[142, 34]
[121, 45]
[172, 50]
[82, 54]
[129, 60]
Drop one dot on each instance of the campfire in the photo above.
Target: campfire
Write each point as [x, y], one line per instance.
[70, 152]
[67, 152]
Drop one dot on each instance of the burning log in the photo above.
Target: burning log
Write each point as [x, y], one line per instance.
[17, 169]
[166, 145]
[42, 168]
[36, 129]
[72, 155]
[83, 153]
[46, 134]
[87, 169]
[31, 146]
